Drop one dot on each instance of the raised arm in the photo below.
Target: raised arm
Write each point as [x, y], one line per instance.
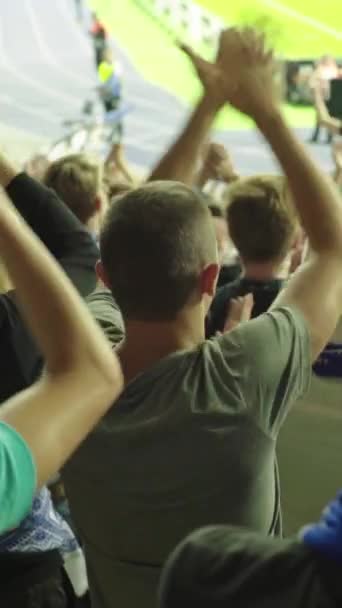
[316, 289]
[64, 236]
[217, 165]
[180, 162]
[82, 377]
[69, 242]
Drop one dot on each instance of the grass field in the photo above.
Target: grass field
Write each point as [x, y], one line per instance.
[153, 51]
[297, 28]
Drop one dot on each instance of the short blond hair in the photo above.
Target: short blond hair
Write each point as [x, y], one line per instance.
[77, 179]
[261, 218]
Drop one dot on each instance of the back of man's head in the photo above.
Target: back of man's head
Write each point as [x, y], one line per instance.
[77, 180]
[155, 243]
[231, 567]
[260, 219]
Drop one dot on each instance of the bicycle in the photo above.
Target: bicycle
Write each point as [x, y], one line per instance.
[94, 132]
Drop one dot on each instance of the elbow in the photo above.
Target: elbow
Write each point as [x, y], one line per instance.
[104, 382]
[97, 373]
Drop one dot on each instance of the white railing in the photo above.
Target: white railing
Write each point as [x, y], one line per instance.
[185, 17]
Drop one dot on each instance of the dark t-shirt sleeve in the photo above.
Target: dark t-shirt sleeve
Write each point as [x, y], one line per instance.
[218, 311]
[77, 253]
[60, 231]
[274, 365]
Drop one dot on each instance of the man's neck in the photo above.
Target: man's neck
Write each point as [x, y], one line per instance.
[147, 343]
[269, 271]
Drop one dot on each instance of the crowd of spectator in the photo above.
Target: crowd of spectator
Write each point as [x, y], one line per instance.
[138, 427]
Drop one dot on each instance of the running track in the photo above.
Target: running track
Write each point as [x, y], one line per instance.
[46, 73]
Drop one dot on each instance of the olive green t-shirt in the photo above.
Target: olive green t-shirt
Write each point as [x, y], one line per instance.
[190, 443]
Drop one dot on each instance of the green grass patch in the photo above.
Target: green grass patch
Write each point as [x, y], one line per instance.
[154, 53]
[290, 36]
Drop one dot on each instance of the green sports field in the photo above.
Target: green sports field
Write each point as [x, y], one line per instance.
[298, 28]
[314, 28]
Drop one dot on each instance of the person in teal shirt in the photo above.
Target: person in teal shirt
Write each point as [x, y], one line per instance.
[18, 478]
[40, 427]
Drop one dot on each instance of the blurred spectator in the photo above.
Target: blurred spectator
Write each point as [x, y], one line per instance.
[78, 181]
[262, 229]
[326, 70]
[228, 271]
[334, 125]
[99, 37]
[226, 566]
[117, 169]
[37, 166]
[109, 75]
[217, 165]
[220, 226]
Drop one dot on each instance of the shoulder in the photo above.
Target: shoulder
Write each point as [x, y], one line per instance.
[107, 313]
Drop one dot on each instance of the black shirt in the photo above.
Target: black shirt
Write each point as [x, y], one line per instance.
[228, 274]
[72, 245]
[264, 293]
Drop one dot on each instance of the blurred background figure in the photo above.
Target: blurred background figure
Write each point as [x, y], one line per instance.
[99, 37]
[110, 89]
[109, 75]
[37, 166]
[326, 70]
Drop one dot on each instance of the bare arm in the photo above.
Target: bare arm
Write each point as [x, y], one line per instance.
[217, 165]
[116, 158]
[316, 290]
[83, 376]
[180, 162]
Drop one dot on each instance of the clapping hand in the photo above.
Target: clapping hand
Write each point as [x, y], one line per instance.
[243, 73]
[248, 70]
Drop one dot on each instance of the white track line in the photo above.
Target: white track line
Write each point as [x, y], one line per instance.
[290, 12]
[138, 145]
[75, 27]
[47, 53]
[42, 115]
[30, 82]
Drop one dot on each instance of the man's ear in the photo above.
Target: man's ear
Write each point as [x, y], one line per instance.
[209, 279]
[101, 274]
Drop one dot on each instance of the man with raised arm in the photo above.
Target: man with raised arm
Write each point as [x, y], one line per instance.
[69, 242]
[192, 440]
[41, 426]
[31, 553]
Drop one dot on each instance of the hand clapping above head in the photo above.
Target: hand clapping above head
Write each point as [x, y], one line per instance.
[243, 73]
